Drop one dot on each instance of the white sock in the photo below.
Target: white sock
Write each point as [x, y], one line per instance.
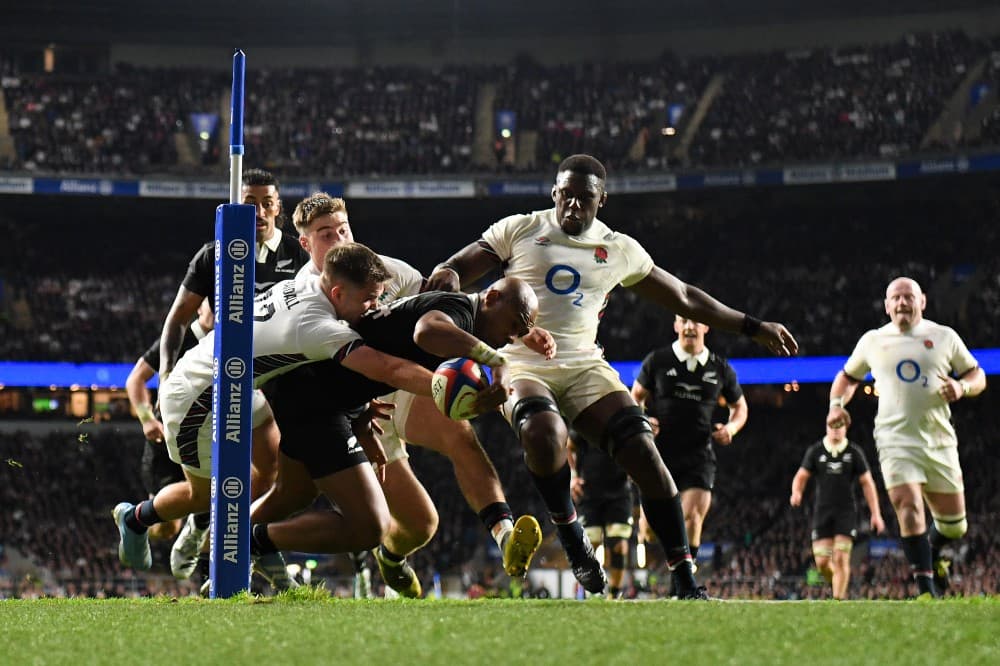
[502, 530]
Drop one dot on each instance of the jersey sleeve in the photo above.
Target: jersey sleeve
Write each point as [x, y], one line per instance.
[500, 236]
[200, 276]
[645, 376]
[406, 280]
[961, 359]
[638, 262]
[857, 366]
[328, 338]
[152, 355]
[460, 310]
[860, 461]
[809, 460]
[731, 389]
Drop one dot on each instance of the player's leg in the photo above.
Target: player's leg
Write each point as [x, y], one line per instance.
[903, 471]
[540, 428]
[623, 431]
[158, 470]
[841, 565]
[822, 549]
[695, 502]
[358, 522]
[944, 493]
[907, 502]
[413, 523]
[193, 538]
[424, 425]
[264, 449]
[616, 536]
[293, 490]
[172, 502]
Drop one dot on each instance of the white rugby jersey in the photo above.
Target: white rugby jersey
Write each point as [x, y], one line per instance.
[406, 280]
[294, 323]
[906, 368]
[571, 275]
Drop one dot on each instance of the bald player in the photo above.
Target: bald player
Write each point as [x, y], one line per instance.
[920, 368]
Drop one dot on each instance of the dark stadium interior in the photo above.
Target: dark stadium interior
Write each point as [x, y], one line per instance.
[88, 278]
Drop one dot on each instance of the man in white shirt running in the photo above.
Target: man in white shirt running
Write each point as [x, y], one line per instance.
[920, 368]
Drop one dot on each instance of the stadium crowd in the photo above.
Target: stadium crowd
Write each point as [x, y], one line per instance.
[863, 101]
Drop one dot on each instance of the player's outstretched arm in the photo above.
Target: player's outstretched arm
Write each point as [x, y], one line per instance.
[467, 265]
[389, 369]
[688, 301]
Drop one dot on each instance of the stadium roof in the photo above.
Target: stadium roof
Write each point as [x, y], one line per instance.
[312, 22]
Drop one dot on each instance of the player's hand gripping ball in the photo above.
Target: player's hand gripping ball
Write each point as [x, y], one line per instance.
[455, 385]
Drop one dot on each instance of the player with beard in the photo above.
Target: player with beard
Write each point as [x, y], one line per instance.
[920, 368]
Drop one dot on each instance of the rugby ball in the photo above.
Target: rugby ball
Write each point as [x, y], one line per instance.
[454, 387]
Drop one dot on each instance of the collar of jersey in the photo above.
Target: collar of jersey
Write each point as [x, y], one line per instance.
[701, 357]
[834, 450]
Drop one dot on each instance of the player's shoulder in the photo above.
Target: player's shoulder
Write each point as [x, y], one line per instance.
[398, 267]
[943, 330]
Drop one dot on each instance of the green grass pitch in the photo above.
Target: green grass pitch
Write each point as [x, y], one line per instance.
[305, 628]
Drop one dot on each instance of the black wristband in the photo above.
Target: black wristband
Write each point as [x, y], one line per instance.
[751, 326]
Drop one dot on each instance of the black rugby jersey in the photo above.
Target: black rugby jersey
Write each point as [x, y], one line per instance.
[390, 328]
[280, 265]
[836, 476]
[684, 401]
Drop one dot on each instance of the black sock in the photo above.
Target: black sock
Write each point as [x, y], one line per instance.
[918, 553]
[494, 513]
[143, 517]
[694, 552]
[615, 592]
[260, 542]
[554, 490]
[666, 518]
[202, 520]
[389, 555]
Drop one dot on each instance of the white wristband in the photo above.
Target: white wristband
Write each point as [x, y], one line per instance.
[966, 387]
[144, 413]
[732, 430]
[837, 402]
[483, 353]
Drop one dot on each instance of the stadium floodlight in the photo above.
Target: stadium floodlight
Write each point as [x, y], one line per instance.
[232, 384]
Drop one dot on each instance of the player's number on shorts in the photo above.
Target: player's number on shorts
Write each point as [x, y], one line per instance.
[556, 282]
[908, 371]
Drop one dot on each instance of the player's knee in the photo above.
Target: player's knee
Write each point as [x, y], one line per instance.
[627, 428]
[617, 554]
[951, 527]
[523, 416]
[595, 534]
[822, 554]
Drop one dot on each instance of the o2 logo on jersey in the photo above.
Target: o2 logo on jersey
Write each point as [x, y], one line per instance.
[908, 371]
[556, 282]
